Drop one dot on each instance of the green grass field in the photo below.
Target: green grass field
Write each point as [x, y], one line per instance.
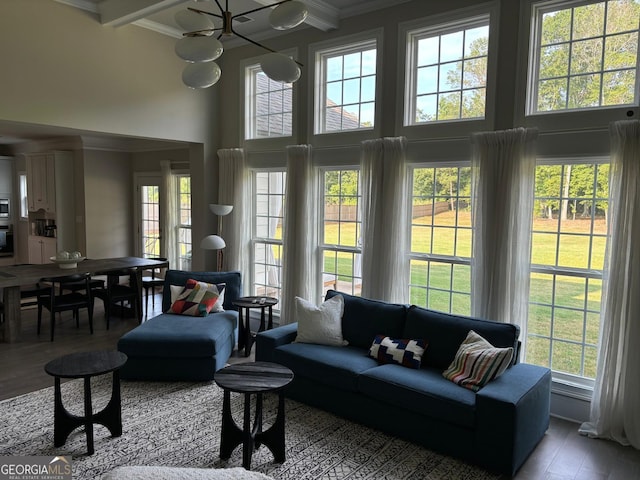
[556, 333]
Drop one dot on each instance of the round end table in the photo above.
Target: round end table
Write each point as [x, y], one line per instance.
[245, 304]
[86, 365]
[252, 378]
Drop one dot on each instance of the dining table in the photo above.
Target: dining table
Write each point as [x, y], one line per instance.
[13, 276]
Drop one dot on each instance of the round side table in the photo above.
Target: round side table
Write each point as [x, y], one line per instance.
[252, 378]
[86, 365]
[245, 304]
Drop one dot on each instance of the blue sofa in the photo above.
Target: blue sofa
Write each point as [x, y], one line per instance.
[497, 427]
[175, 347]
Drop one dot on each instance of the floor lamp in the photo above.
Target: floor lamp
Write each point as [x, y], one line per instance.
[216, 242]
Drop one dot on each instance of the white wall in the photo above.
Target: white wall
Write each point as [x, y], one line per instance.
[60, 67]
[108, 204]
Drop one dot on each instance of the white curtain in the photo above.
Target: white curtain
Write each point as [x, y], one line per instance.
[299, 259]
[169, 215]
[615, 406]
[384, 219]
[234, 185]
[503, 178]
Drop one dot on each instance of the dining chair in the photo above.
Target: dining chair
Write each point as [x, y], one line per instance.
[116, 293]
[94, 284]
[153, 281]
[55, 300]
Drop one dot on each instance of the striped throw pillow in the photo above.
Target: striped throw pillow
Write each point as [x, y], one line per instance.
[477, 362]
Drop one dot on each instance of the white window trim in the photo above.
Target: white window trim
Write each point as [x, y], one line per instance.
[556, 120]
[434, 257]
[322, 245]
[566, 383]
[254, 144]
[347, 137]
[254, 238]
[446, 21]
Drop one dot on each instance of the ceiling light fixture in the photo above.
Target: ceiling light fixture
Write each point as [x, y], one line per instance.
[201, 48]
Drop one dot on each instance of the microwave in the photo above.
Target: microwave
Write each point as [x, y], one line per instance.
[4, 208]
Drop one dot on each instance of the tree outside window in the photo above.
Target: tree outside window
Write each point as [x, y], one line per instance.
[448, 71]
[585, 56]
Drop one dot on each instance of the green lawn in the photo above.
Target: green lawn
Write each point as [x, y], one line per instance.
[567, 322]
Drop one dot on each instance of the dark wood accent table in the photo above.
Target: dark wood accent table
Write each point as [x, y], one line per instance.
[86, 365]
[245, 304]
[252, 378]
[13, 276]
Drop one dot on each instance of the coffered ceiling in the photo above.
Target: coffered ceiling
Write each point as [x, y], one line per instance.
[158, 15]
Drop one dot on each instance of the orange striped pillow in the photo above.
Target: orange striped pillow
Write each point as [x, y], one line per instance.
[477, 362]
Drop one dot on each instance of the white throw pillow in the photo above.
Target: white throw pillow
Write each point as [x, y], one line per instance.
[321, 325]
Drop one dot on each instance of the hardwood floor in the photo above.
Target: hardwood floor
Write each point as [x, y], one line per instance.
[563, 454]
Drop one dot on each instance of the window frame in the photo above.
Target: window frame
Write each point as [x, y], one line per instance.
[598, 117]
[436, 257]
[185, 262]
[323, 246]
[269, 143]
[317, 92]
[452, 20]
[571, 384]
[268, 241]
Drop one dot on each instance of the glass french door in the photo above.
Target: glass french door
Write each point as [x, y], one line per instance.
[149, 241]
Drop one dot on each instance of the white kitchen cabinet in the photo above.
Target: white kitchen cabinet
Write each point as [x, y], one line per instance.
[51, 193]
[41, 182]
[41, 249]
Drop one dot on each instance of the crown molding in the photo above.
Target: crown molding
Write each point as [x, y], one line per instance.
[128, 144]
[81, 4]
[159, 28]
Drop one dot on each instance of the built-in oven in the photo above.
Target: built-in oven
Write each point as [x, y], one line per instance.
[4, 208]
[6, 241]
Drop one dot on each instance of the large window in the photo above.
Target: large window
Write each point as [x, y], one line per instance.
[568, 247]
[584, 55]
[341, 230]
[346, 78]
[150, 211]
[441, 235]
[184, 218]
[269, 106]
[268, 195]
[447, 71]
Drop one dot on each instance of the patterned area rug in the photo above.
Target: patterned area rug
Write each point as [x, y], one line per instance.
[178, 424]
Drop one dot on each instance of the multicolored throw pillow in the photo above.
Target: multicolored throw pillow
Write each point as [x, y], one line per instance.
[196, 299]
[477, 362]
[404, 352]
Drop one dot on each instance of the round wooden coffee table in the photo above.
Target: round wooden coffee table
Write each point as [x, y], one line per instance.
[86, 365]
[252, 378]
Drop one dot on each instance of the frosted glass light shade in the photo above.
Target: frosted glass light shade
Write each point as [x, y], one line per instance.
[220, 210]
[191, 21]
[212, 242]
[199, 48]
[201, 75]
[288, 15]
[279, 67]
